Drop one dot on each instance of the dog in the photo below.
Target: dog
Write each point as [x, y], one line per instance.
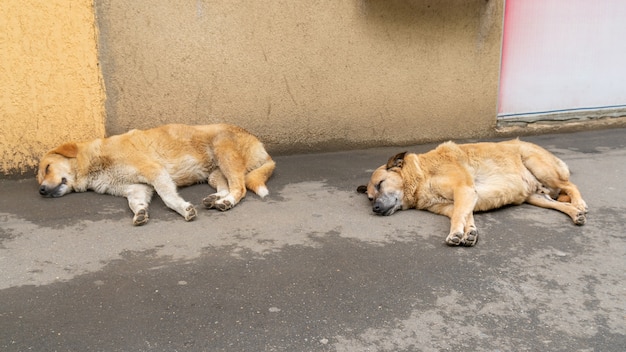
[456, 180]
[139, 162]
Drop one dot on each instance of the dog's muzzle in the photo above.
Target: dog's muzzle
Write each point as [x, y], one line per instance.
[54, 191]
[385, 206]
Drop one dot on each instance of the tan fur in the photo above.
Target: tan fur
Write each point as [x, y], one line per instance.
[136, 163]
[456, 180]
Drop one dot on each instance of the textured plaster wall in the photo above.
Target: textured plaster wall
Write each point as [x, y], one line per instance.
[305, 75]
[50, 84]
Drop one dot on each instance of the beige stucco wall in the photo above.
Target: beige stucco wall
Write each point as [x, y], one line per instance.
[305, 75]
[50, 84]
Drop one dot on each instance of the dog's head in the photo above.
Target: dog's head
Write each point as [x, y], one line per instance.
[56, 171]
[386, 187]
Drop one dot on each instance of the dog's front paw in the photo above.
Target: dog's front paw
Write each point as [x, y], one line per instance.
[454, 239]
[140, 218]
[471, 238]
[190, 213]
[210, 200]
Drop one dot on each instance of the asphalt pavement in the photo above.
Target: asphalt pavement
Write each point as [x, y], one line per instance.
[312, 268]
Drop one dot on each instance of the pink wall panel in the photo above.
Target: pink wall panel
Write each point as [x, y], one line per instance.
[562, 55]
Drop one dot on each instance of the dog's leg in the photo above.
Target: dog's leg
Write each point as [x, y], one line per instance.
[456, 235]
[576, 198]
[461, 232]
[219, 182]
[139, 196]
[254, 180]
[166, 188]
[542, 200]
[233, 170]
[462, 228]
[567, 190]
[471, 232]
[551, 172]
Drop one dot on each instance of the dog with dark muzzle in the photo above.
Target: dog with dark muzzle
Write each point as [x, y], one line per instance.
[456, 180]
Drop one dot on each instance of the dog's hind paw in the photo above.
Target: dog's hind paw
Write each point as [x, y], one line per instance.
[223, 205]
[210, 200]
[141, 218]
[214, 201]
[581, 205]
[580, 219]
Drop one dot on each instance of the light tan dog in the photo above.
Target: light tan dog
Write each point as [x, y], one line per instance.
[456, 180]
[137, 163]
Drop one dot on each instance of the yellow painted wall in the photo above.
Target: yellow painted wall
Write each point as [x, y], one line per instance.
[51, 88]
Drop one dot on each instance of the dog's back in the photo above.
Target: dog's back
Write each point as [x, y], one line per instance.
[186, 152]
[496, 170]
[503, 173]
[161, 159]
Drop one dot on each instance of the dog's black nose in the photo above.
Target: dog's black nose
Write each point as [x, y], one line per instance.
[377, 208]
[43, 191]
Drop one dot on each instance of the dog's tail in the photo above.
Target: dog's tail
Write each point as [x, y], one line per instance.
[256, 178]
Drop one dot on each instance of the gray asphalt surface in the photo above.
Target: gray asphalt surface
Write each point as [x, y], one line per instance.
[311, 268]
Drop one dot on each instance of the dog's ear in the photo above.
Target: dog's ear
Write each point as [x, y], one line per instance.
[68, 150]
[396, 161]
[361, 189]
